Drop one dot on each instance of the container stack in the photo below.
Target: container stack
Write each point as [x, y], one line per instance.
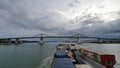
[61, 60]
[107, 60]
[62, 63]
[60, 53]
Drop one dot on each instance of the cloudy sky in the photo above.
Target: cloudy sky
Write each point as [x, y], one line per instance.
[59, 17]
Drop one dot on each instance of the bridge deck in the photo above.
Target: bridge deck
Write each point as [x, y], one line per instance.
[48, 37]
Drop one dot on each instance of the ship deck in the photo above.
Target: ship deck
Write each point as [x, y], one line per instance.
[83, 66]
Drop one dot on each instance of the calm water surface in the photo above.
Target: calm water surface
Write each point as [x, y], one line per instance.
[26, 55]
[36, 56]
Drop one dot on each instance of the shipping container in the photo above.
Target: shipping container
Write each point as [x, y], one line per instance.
[104, 59]
[62, 63]
[60, 53]
[108, 60]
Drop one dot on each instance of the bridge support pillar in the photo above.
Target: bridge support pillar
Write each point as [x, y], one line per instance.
[17, 41]
[78, 40]
[41, 40]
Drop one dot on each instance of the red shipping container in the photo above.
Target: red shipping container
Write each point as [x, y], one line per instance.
[108, 60]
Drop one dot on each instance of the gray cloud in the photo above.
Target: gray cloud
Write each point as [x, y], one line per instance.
[94, 26]
[74, 3]
[28, 17]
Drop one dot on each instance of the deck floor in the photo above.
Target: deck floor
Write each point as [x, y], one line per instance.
[83, 66]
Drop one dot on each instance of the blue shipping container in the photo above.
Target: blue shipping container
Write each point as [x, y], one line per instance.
[63, 63]
[60, 54]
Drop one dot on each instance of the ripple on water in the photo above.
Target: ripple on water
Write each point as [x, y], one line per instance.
[45, 63]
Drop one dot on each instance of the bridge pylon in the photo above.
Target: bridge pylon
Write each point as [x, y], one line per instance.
[78, 40]
[41, 39]
[17, 41]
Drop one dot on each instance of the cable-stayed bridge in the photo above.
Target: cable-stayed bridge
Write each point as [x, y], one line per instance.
[43, 36]
[49, 36]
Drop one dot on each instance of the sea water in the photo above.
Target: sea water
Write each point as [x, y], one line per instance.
[31, 55]
[34, 55]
